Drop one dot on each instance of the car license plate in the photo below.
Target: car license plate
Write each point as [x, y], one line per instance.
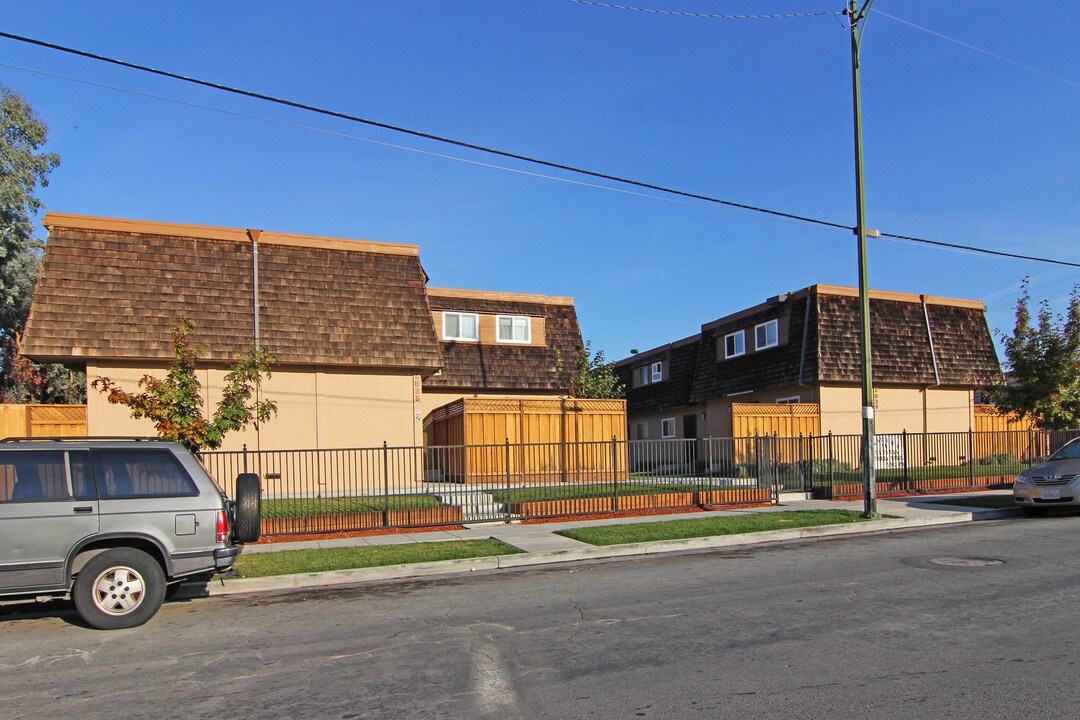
[1051, 494]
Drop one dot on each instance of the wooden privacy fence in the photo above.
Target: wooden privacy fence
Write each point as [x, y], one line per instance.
[553, 440]
[42, 420]
[996, 433]
[784, 420]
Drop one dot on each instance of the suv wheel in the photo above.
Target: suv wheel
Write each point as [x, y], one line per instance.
[120, 588]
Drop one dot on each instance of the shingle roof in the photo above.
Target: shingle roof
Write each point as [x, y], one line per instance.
[822, 345]
[502, 367]
[113, 289]
[680, 360]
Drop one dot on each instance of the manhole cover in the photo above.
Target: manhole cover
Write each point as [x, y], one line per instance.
[966, 561]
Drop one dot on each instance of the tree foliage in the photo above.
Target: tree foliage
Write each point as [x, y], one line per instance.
[24, 167]
[590, 376]
[175, 404]
[1044, 362]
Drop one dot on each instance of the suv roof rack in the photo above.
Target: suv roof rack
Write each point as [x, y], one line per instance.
[82, 438]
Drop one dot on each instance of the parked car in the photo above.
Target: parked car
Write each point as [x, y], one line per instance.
[112, 523]
[1054, 483]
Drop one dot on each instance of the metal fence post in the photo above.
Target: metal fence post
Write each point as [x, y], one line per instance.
[615, 471]
[832, 467]
[907, 480]
[386, 483]
[245, 458]
[507, 504]
[971, 458]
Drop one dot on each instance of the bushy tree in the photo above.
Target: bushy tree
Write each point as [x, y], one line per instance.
[24, 167]
[175, 404]
[1043, 358]
[590, 376]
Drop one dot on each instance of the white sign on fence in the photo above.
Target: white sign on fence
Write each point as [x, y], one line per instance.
[888, 452]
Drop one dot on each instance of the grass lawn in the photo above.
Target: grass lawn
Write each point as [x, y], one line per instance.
[989, 501]
[599, 490]
[289, 562]
[845, 477]
[709, 527]
[306, 507]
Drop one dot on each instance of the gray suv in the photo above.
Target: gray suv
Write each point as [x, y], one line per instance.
[113, 523]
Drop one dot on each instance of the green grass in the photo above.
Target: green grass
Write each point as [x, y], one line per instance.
[845, 477]
[599, 490]
[306, 507]
[709, 527]
[290, 562]
[990, 501]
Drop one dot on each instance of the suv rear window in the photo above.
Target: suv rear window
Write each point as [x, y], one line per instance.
[140, 473]
[33, 476]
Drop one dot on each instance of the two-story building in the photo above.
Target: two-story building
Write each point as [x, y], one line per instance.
[929, 357]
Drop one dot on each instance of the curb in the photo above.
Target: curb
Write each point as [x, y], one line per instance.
[450, 567]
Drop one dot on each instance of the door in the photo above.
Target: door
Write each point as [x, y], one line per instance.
[689, 427]
[47, 505]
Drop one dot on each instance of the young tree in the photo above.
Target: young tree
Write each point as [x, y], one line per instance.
[23, 168]
[590, 376]
[1044, 360]
[175, 403]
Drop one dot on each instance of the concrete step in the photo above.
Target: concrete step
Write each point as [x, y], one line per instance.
[476, 505]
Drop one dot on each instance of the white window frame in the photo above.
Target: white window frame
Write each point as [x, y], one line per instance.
[656, 372]
[789, 400]
[447, 336]
[512, 319]
[776, 335]
[663, 423]
[739, 334]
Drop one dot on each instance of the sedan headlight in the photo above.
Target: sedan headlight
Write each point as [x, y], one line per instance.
[1023, 481]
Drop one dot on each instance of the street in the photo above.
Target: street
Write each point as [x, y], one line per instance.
[971, 621]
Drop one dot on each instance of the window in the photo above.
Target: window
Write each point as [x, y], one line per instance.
[642, 431]
[657, 371]
[460, 326]
[766, 335]
[735, 344]
[667, 427]
[788, 400]
[641, 376]
[514, 329]
[33, 476]
[140, 473]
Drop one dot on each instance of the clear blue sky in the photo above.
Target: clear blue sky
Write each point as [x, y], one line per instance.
[960, 146]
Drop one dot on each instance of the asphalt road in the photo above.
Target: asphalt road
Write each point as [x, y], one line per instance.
[863, 627]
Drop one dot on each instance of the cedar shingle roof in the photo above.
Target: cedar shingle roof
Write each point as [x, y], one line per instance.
[679, 359]
[113, 289]
[506, 367]
[820, 329]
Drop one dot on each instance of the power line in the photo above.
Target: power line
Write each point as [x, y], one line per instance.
[517, 156]
[714, 16]
[969, 46]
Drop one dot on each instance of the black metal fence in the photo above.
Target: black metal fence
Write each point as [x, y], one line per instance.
[316, 491]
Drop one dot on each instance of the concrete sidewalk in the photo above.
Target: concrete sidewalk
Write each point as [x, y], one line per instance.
[542, 546]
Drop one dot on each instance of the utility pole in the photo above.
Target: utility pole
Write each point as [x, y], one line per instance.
[856, 16]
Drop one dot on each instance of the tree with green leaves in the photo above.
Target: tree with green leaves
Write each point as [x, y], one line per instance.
[590, 376]
[175, 404]
[24, 167]
[1043, 359]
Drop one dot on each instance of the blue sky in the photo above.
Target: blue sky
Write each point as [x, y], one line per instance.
[960, 146]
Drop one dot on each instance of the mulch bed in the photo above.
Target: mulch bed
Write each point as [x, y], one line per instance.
[639, 513]
[267, 539]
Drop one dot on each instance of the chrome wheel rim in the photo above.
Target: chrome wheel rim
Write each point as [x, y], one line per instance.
[118, 590]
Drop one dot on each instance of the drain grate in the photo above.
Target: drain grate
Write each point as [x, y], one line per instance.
[966, 561]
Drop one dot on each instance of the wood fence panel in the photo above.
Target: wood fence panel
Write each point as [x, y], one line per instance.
[996, 434]
[781, 420]
[42, 420]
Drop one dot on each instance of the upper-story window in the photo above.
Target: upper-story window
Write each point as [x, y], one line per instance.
[766, 335]
[461, 326]
[656, 371]
[514, 329]
[641, 376]
[735, 344]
